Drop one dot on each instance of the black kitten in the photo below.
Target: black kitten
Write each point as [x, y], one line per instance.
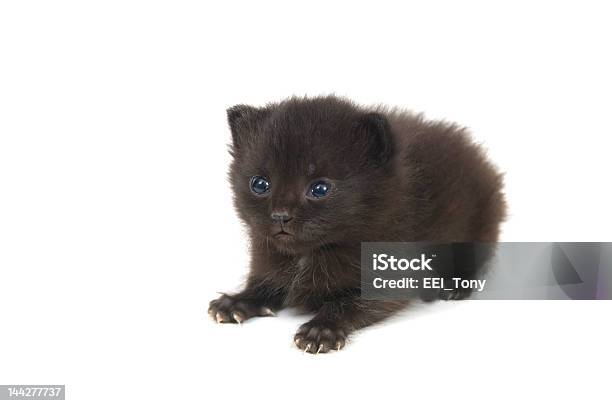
[314, 177]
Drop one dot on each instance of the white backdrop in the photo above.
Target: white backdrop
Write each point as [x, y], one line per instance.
[116, 225]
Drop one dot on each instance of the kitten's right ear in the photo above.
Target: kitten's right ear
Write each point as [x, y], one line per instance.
[377, 132]
[242, 120]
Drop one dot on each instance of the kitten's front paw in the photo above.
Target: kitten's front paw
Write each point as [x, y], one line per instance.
[227, 309]
[315, 337]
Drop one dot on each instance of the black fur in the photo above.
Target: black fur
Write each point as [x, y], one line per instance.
[394, 177]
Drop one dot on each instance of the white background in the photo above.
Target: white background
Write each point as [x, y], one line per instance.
[116, 224]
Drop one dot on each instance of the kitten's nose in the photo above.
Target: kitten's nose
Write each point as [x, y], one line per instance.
[280, 217]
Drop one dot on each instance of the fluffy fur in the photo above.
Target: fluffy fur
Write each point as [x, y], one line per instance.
[393, 176]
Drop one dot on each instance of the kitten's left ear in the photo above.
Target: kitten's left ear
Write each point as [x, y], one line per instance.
[375, 127]
[242, 120]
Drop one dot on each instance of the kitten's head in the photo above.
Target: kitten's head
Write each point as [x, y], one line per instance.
[307, 172]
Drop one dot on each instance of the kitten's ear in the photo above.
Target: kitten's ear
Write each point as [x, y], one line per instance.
[242, 120]
[376, 129]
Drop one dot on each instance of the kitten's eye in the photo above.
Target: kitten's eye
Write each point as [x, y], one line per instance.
[259, 185]
[319, 189]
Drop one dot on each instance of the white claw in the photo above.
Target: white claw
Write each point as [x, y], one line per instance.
[219, 318]
[237, 317]
[268, 312]
[307, 348]
[320, 348]
[338, 347]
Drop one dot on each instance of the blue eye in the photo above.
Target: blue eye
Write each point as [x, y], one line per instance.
[259, 185]
[319, 189]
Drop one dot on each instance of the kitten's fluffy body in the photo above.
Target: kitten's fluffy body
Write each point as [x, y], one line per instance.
[393, 176]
